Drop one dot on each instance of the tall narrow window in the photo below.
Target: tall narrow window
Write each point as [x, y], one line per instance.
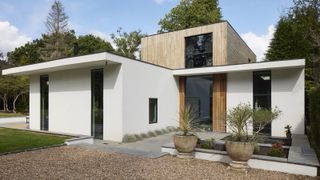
[198, 51]
[44, 102]
[153, 110]
[97, 103]
[262, 94]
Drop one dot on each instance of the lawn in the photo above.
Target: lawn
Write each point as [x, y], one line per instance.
[14, 140]
[5, 115]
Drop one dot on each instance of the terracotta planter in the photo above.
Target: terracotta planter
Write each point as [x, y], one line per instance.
[239, 151]
[185, 144]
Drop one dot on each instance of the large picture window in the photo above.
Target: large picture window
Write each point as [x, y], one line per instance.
[198, 95]
[262, 94]
[198, 51]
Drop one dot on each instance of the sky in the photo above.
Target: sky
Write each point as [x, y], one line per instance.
[22, 21]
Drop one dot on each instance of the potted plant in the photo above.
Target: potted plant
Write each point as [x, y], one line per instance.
[241, 146]
[288, 131]
[185, 140]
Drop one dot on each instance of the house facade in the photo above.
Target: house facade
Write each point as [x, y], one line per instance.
[209, 67]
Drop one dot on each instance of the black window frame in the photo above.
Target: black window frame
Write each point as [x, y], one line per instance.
[205, 53]
[268, 95]
[151, 108]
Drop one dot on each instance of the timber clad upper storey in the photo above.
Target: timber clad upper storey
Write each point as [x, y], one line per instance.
[172, 49]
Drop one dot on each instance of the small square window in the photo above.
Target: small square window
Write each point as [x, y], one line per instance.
[153, 110]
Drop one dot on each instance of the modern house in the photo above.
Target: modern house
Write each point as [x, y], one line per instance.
[209, 67]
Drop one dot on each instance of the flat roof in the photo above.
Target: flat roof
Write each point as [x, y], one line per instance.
[85, 61]
[100, 59]
[256, 66]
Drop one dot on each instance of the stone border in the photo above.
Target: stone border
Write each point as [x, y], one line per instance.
[32, 149]
[257, 161]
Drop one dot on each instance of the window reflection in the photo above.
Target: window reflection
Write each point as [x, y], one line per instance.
[198, 51]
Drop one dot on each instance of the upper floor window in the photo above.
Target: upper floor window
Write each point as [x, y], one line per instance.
[198, 51]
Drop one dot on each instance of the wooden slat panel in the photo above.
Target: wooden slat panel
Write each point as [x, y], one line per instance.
[219, 102]
[167, 49]
[181, 94]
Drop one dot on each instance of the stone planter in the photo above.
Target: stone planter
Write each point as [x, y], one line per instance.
[239, 153]
[185, 145]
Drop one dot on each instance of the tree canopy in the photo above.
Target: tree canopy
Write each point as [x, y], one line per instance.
[128, 44]
[89, 44]
[191, 13]
[297, 35]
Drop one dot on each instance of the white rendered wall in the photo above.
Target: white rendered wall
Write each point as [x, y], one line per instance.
[113, 103]
[142, 81]
[288, 94]
[239, 90]
[70, 101]
[34, 100]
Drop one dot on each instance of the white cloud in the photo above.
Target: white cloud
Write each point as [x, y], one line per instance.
[161, 1]
[11, 37]
[259, 44]
[103, 35]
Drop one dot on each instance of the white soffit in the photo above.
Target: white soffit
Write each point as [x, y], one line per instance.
[269, 65]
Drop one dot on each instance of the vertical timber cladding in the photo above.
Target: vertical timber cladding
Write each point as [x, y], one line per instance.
[219, 102]
[181, 94]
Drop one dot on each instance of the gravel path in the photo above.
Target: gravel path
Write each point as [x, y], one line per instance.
[77, 163]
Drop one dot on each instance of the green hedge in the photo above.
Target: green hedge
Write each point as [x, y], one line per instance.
[314, 119]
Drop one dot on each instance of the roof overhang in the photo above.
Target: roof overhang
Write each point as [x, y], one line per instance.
[259, 66]
[78, 62]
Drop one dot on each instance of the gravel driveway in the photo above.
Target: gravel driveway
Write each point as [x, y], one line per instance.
[77, 163]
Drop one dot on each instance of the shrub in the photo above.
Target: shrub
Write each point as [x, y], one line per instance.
[207, 144]
[129, 138]
[151, 134]
[314, 119]
[276, 150]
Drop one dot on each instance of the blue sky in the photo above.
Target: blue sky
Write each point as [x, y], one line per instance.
[21, 21]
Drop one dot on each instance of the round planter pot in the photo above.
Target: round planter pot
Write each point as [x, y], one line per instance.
[239, 151]
[185, 144]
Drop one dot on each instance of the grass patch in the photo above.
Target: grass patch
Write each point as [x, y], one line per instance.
[6, 115]
[14, 140]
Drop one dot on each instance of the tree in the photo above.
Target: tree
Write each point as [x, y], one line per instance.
[89, 44]
[58, 45]
[26, 54]
[57, 39]
[20, 87]
[57, 20]
[191, 13]
[297, 36]
[128, 44]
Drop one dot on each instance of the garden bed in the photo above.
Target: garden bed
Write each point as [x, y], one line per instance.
[268, 146]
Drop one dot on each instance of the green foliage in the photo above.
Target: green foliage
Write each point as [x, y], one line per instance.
[26, 54]
[57, 45]
[191, 13]
[128, 44]
[276, 150]
[187, 120]
[89, 44]
[297, 35]
[314, 114]
[207, 143]
[240, 117]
